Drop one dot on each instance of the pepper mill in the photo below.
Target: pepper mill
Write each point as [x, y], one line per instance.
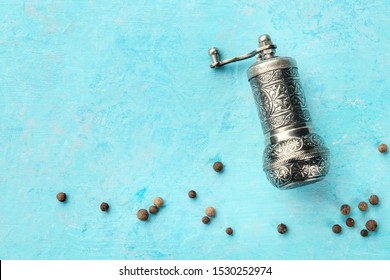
[294, 154]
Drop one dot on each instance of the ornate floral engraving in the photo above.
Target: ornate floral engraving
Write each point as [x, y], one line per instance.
[319, 167]
[290, 174]
[279, 98]
[300, 170]
[312, 140]
[280, 176]
[295, 160]
[294, 146]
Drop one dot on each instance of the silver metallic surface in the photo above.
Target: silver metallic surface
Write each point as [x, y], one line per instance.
[216, 62]
[295, 155]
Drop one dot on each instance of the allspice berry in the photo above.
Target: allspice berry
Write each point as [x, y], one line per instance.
[282, 228]
[210, 211]
[61, 196]
[158, 201]
[104, 206]
[192, 194]
[205, 220]
[336, 228]
[371, 225]
[363, 206]
[218, 166]
[350, 222]
[374, 199]
[143, 214]
[153, 209]
[345, 209]
[382, 148]
[364, 232]
[229, 231]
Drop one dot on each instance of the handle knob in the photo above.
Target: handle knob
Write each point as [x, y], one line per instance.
[214, 54]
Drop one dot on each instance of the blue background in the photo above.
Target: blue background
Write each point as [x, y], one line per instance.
[115, 101]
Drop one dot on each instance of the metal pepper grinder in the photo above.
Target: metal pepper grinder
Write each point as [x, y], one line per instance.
[294, 154]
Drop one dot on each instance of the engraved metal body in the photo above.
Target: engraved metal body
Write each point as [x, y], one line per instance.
[294, 155]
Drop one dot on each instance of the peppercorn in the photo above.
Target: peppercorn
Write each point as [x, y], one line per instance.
[363, 232]
[374, 199]
[143, 214]
[192, 194]
[210, 211]
[158, 201]
[205, 220]
[345, 209]
[382, 148]
[350, 222]
[336, 228]
[153, 209]
[104, 206]
[363, 206]
[371, 225]
[61, 196]
[282, 228]
[229, 231]
[218, 166]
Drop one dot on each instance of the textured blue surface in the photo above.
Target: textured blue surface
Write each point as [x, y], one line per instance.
[115, 101]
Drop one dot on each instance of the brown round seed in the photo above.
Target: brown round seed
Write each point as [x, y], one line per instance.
[104, 206]
[350, 222]
[210, 211]
[218, 166]
[61, 196]
[382, 148]
[374, 199]
[205, 220]
[345, 209]
[192, 194]
[363, 206]
[229, 231]
[282, 228]
[336, 228]
[364, 232]
[371, 225]
[143, 214]
[153, 209]
[158, 201]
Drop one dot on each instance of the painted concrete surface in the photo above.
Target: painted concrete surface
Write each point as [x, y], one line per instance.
[115, 101]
